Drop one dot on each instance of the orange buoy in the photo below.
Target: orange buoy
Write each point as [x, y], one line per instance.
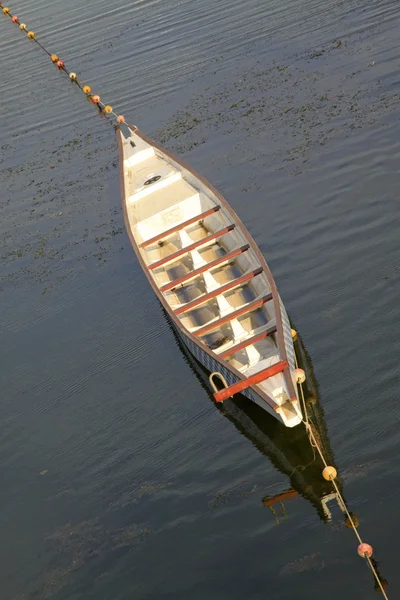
[60, 64]
[86, 89]
[329, 473]
[14, 19]
[54, 58]
[96, 99]
[108, 109]
[6, 10]
[120, 119]
[365, 550]
[31, 35]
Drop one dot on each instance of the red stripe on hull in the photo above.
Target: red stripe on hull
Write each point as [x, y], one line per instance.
[214, 263]
[224, 288]
[249, 342]
[179, 227]
[252, 380]
[182, 251]
[233, 315]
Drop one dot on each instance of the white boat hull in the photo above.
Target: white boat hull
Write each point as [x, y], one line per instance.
[209, 275]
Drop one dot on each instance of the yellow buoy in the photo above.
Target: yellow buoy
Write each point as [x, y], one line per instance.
[86, 89]
[54, 58]
[6, 10]
[108, 109]
[31, 35]
[329, 473]
[22, 27]
[294, 334]
[354, 518]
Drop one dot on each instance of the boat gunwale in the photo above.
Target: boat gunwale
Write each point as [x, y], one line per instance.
[249, 239]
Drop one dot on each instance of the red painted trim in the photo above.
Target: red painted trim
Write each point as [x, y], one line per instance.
[252, 380]
[288, 495]
[233, 315]
[224, 288]
[168, 232]
[186, 249]
[214, 263]
[248, 342]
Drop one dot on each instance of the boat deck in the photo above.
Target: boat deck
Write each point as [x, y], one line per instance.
[202, 263]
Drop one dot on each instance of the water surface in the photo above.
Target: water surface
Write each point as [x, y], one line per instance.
[120, 476]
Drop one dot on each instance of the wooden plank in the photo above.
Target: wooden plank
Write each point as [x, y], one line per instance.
[288, 495]
[252, 380]
[222, 289]
[207, 267]
[179, 227]
[233, 315]
[186, 249]
[248, 342]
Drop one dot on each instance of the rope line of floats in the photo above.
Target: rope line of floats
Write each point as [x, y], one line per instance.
[104, 109]
[329, 473]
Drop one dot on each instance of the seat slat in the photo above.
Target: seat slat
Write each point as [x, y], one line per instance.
[186, 249]
[214, 263]
[252, 380]
[233, 315]
[252, 340]
[224, 288]
[191, 221]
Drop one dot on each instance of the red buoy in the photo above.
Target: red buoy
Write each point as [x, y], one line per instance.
[365, 550]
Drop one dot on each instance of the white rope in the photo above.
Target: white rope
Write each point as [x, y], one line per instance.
[314, 444]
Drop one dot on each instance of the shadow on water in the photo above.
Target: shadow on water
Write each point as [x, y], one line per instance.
[288, 449]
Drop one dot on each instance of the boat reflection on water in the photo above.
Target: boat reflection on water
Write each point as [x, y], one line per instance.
[289, 450]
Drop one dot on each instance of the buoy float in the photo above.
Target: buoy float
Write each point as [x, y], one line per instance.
[54, 58]
[354, 518]
[294, 334]
[6, 10]
[14, 19]
[329, 473]
[73, 76]
[96, 99]
[384, 584]
[311, 399]
[60, 64]
[299, 376]
[108, 109]
[31, 35]
[86, 89]
[120, 119]
[365, 550]
[22, 27]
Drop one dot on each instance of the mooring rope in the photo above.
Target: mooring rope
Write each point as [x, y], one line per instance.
[329, 473]
[104, 109]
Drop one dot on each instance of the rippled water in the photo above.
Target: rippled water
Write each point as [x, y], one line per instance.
[120, 477]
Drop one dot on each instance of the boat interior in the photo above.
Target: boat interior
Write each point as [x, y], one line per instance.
[202, 262]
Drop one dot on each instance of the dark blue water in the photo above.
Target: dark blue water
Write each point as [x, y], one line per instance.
[120, 477]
